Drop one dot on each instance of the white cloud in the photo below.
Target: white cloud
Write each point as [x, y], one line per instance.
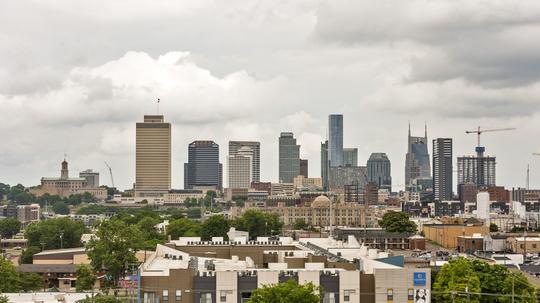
[78, 75]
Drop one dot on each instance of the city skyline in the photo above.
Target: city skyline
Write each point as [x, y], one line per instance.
[260, 71]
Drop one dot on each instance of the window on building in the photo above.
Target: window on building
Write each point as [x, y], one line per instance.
[165, 295]
[534, 245]
[206, 297]
[521, 246]
[329, 297]
[178, 295]
[223, 296]
[346, 295]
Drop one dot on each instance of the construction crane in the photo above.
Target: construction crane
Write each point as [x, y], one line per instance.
[110, 172]
[480, 149]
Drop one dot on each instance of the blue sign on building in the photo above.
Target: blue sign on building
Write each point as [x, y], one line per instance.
[419, 279]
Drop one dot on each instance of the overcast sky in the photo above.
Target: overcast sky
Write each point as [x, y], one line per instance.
[75, 76]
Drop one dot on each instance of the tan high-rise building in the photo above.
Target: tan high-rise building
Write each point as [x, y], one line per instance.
[153, 157]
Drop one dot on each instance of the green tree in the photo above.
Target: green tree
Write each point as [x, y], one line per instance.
[493, 227]
[55, 233]
[150, 235]
[300, 224]
[394, 221]
[524, 291]
[258, 223]
[20, 195]
[4, 299]
[9, 277]
[191, 202]
[9, 227]
[31, 281]
[215, 226]
[48, 199]
[194, 213]
[115, 247]
[183, 228]
[456, 276]
[27, 256]
[60, 208]
[289, 291]
[85, 278]
[101, 299]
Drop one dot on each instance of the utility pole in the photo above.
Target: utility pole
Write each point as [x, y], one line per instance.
[512, 287]
[468, 285]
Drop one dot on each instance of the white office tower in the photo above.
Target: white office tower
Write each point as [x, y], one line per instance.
[482, 206]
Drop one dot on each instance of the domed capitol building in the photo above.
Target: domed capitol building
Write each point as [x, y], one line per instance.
[315, 213]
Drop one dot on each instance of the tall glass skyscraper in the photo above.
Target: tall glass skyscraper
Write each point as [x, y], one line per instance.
[417, 163]
[324, 164]
[203, 167]
[442, 169]
[379, 171]
[335, 139]
[350, 157]
[289, 157]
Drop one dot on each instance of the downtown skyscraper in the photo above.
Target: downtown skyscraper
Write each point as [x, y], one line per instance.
[325, 164]
[379, 170]
[252, 147]
[442, 169]
[203, 168]
[417, 162]
[240, 167]
[152, 157]
[289, 157]
[335, 140]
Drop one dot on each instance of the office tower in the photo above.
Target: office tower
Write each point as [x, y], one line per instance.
[442, 169]
[240, 166]
[477, 170]
[203, 168]
[289, 157]
[152, 156]
[335, 140]
[350, 157]
[255, 148]
[304, 167]
[324, 164]
[379, 171]
[417, 164]
[92, 177]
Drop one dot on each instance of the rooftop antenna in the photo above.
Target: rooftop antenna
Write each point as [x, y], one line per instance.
[158, 105]
[528, 174]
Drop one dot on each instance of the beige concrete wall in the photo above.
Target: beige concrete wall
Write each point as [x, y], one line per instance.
[349, 280]
[267, 278]
[49, 261]
[400, 281]
[81, 259]
[307, 276]
[446, 235]
[227, 281]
